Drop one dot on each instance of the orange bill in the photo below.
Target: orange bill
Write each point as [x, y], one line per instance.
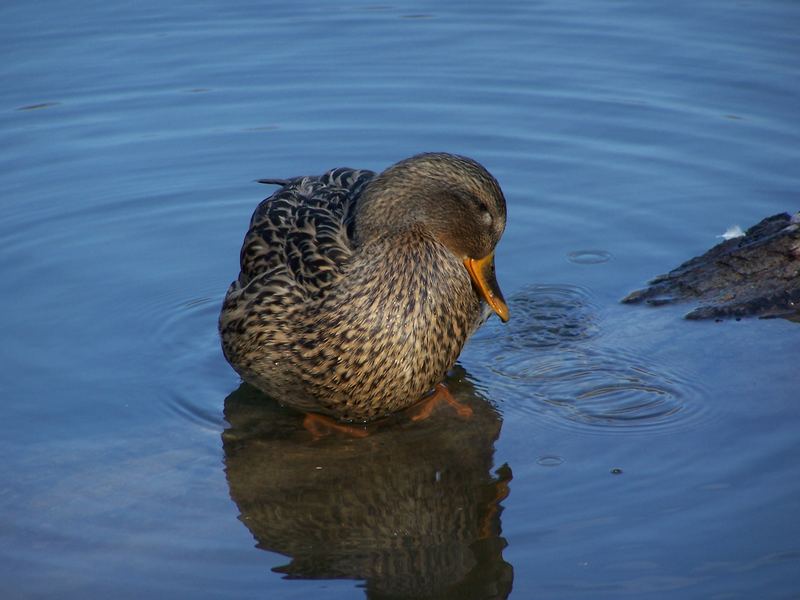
[481, 270]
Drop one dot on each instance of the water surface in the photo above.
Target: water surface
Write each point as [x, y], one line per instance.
[615, 451]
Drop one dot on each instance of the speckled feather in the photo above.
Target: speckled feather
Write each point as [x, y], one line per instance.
[325, 321]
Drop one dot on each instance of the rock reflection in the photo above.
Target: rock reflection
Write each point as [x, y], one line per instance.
[413, 509]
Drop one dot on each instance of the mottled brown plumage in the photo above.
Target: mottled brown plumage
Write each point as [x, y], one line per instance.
[353, 298]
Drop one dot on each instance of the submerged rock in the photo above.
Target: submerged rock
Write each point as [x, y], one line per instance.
[755, 274]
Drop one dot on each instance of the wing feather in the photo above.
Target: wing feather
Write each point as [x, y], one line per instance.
[300, 237]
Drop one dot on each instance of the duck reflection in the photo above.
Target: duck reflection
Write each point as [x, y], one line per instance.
[413, 509]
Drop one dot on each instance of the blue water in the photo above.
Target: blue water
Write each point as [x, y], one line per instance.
[615, 451]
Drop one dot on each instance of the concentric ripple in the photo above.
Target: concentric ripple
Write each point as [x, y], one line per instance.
[551, 361]
[188, 337]
[598, 390]
[544, 316]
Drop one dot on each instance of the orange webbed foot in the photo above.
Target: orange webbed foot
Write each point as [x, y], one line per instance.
[440, 394]
[320, 426]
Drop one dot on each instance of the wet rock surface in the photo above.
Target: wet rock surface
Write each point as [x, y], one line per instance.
[756, 274]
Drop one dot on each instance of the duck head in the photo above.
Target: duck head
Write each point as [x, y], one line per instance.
[454, 199]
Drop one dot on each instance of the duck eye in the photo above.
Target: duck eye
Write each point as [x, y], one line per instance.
[485, 216]
[482, 206]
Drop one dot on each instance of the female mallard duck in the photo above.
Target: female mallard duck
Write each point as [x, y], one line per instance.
[358, 291]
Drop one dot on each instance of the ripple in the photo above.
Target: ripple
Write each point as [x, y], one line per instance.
[598, 390]
[39, 106]
[187, 342]
[550, 460]
[188, 410]
[589, 257]
[551, 362]
[543, 316]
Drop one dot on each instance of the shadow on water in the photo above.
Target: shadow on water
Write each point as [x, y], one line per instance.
[413, 510]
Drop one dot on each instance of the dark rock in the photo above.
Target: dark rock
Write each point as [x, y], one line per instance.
[757, 274]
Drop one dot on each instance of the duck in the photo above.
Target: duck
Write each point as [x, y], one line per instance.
[358, 290]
